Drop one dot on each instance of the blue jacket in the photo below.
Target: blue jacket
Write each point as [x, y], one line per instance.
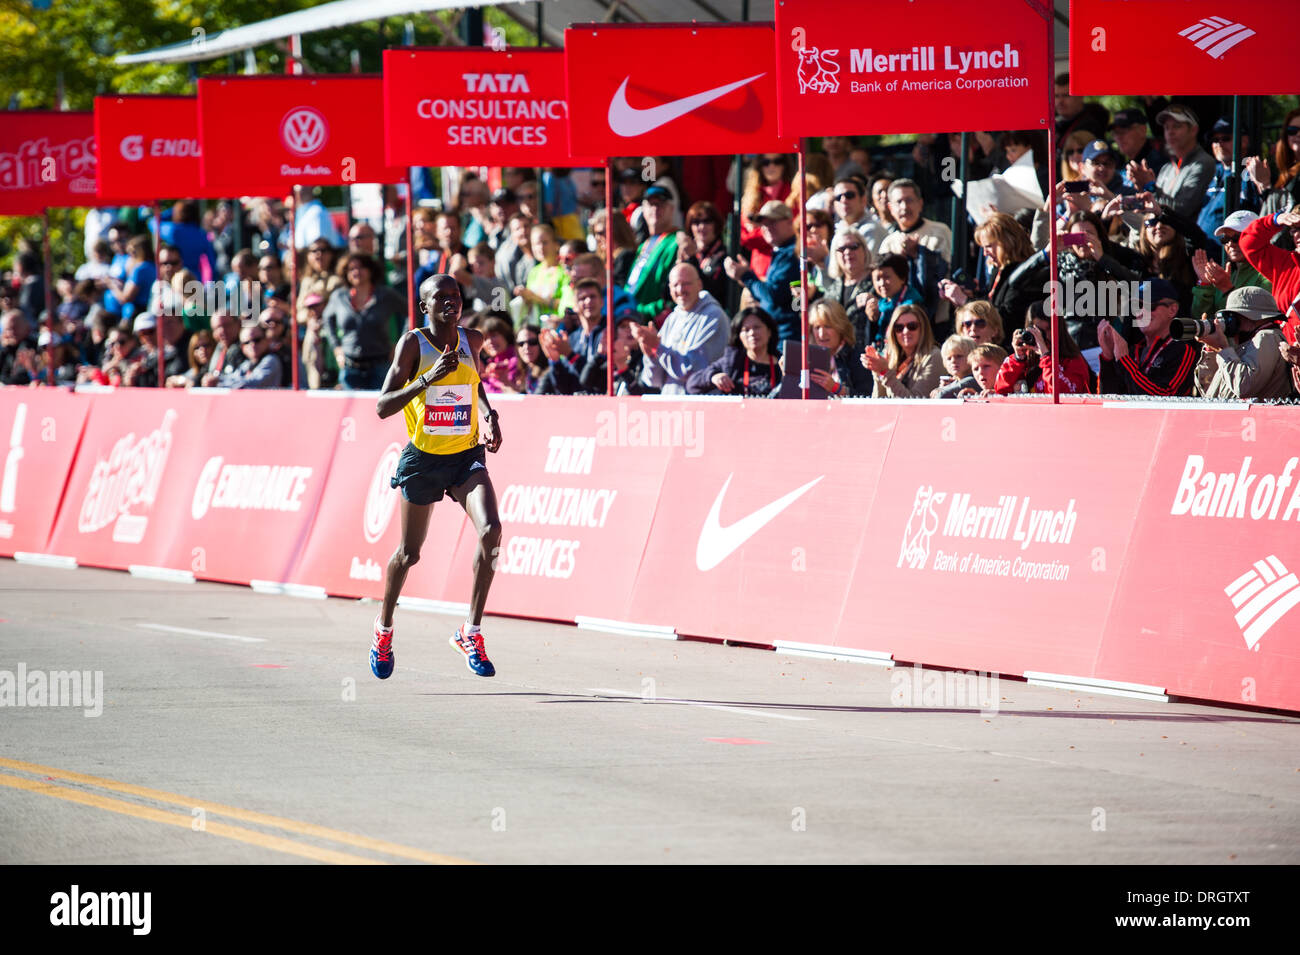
[773, 292]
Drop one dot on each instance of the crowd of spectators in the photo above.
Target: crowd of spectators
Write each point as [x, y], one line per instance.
[1145, 243]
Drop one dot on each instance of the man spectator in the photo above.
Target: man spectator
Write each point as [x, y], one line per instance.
[1132, 137]
[503, 205]
[312, 220]
[17, 349]
[589, 265]
[184, 234]
[362, 238]
[1073, 113]
[852, 208]
[30, 280]
[694, 334]
[647, 282]
[98, 264]
[514, 258]
[1214, 203]
[446, 228]
[1156, 365]
[1100, 169]
[773, 292]
[1248, 364]
[1181, 184]
[569, 355]
[163, 297]
[838, 149]
[260, 368]
[631, 199]
[226, 353]
[910, 234]
[174, 344]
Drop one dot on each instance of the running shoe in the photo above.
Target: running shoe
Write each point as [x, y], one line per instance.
[381, 652]
[476, 657]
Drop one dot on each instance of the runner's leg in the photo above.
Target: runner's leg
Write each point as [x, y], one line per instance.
[415, 525]
[480, 502]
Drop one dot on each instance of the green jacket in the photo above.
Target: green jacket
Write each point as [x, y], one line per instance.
[1206, 299]
[648, 281]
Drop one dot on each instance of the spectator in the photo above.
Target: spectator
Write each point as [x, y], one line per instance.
[514, 261]
[560, 203]
[504, 204]
[748, 367]
[219, 225]
[275, 322]
[1214, 203]
[1017, 143]
[162, 296]
[226, 351]
[188, 238]
[1164, 254]
[701, 245]
[773, 294]
[630, 200]
[362, 320]
[913, 233]
[567, 356]
[1132, 136]
[120, 352]
[628, 365]
[625, 247]
[1031, 366]
[546, 280]
[131, 295]
[981, 322]
[955, 351]
[851, 282]
[1214, 282]
[173, 344]
[1092, 265]
[1248, 364]
[890, 289]
[362, 238]
[240, 286]
[589, 266]
[820, 174]
[95, 343]
[260, 368]
[648, 280]
[489, 293]
[472, 204]
[501, 371]
[527, 194]
[816, 247]
[532, 363]
[1019, 274]
[199, 354]
[312, 220]
[17, 355]
[984, 361]
[1286, 191]
[768, 178]
[1100, 169]
[880, 200]
[693, 336]
[448, 255]
[1156, 365]
[837, 149]
[145, 328]
[1074, 114]
[318, 276]
[1282, 269]
[830, 328]
[1072, 148]
[320, 369]
[1181, 184]
[853, 210]
[911, 364]
[270, 275]
[96, 269]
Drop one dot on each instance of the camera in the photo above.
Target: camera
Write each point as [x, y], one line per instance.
[1025, 338]
[1187, 329]
[1078, 185]
[1132, 203]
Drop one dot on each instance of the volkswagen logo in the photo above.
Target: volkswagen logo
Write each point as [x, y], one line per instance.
[304, 131]
[381, 497]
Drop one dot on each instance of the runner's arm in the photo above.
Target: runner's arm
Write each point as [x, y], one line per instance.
[398, 388]
[493, 438]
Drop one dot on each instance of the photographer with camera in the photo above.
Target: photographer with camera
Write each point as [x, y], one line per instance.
[1242, 356]
[1030, 366]
[1156, 364]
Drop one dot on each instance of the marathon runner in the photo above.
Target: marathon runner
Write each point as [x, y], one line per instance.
[434, 381]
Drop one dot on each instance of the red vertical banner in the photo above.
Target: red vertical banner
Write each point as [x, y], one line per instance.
[40, 430]
[926, 65]
[46, 159]
[148, 144]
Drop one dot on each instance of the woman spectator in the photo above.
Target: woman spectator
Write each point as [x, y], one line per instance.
[1164, 254]
[880, 198]
[911, 365]
[816, 247]
[748, 367]
[980, 321]
[627, 366]
[701, 245]
[122, 355]
[131, 295]
[1086, 265]
[1019, 274]
[817, 166]
[501, 371]
[850, 285]
[200, 353]
[546, 280]
[890, 289]
[1286, 154]
[363, 319]
[274, 322]
[829, 326]
[532, 363]
[624, 243]
[768, 178]
[319, 366]
[318, 276]
[1213, 281]
[1072, 155]
[1031, 365]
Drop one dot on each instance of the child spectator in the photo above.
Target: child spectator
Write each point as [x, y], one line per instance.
[956, 352]
[985, 360]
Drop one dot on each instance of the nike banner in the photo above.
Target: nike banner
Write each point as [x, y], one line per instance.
[672, 90]
[911, 66]
[47, 159]
[1188, 47]
[260, 135]
[149, 143]
[452, 107]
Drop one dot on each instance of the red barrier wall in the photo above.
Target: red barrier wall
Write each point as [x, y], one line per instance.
[1145, 544]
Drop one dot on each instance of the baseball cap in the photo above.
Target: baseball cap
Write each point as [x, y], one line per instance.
[628, 175]
[1252, 302]
[1221, 125]
[658, 192]
[1179, 114]
[1128, 117]
[144, 321]
[774, 209]
[314, 298]
[1236, 222]
[1157, 290]
[1098, 147]
[503, 196]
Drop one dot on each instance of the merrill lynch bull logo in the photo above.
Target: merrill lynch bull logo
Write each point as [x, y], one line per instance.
[920, 528]
[304, 131]
[818, 71]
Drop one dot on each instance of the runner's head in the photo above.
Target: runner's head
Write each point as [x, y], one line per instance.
[440, 299]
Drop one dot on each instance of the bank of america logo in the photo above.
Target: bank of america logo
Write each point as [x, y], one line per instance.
[1216, 36]
[1262, 596]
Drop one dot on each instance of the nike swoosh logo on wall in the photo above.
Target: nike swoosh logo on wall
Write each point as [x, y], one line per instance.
[717, 543]
[626, 120]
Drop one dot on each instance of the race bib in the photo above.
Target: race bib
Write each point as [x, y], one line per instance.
[448, 409]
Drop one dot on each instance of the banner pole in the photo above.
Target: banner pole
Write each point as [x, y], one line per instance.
[804, 374]
[1053, 274]
[159, 341]
[293, 288]
[410, 254]
[49, 294]
[609, 276]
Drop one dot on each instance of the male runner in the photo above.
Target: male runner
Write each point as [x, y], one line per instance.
[434, 381]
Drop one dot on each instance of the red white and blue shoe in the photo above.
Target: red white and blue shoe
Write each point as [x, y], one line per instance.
[476, 657]
[381, 652]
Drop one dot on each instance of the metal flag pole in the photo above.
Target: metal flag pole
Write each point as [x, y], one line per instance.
[410, 255]
[609, 277]
[159, 342]
[293, 287]
[49, 294]
[1053, 274]
[804, 375]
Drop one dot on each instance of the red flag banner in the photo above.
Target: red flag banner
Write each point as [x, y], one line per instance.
[448, 107]
[1188, 47]
[149, 142]
[694, 89]
[910, 66]
[260, 135]
[46, 159]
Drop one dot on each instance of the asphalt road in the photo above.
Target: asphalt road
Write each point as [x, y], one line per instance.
[237, 727]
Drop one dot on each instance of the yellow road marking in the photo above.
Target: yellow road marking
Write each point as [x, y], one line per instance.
[243, 815]
[260, 839]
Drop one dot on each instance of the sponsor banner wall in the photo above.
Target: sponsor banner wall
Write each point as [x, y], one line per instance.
[1208, 600]
[927, 65]
[357, 525]
[40, 429]
[149, 143]
[989, 547]
[671, 90]
[445, 107]
[578, 483]
[261, 135]
[755, 535]
[1192, 47]
[46, 159]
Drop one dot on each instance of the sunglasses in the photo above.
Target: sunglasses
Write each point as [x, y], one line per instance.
[1221, 139]
[162, 262]
[849, 248]
[253, 341]
[842, 196]
[1152, 223]
[1292, 130]
[974, 323]
[772, 162]
[528, 342]
[696, 222]
[910, 326]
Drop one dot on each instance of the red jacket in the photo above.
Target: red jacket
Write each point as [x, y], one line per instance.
[751, 236]
[1071, 377]
[1280, 267]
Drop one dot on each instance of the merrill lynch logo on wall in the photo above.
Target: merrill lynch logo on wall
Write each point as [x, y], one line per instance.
[986, 522]
[819, 69]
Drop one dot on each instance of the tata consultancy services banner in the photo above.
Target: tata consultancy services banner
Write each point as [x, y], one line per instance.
[260, 135]
[1191, 47]
[147, 144]
[447, 107]
[910, 66]
[694, 89]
